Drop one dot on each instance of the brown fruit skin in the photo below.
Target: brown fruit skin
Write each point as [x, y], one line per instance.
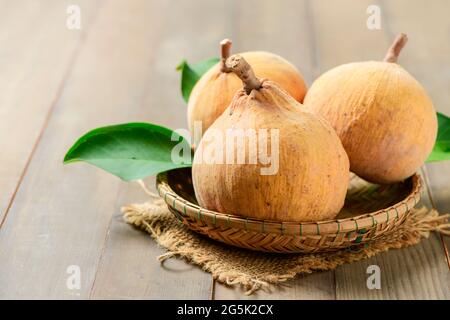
[313, 174]
[383, 116]
[213, 93]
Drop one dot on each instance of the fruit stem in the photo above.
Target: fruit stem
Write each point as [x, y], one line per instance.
[244, 71]
[396, 47]
[225, 48]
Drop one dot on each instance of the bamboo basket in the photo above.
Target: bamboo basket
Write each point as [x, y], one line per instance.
[370, 211]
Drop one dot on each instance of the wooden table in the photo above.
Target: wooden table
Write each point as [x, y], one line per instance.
[57, 83]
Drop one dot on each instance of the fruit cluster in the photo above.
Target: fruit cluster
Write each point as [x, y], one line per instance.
[372, 118]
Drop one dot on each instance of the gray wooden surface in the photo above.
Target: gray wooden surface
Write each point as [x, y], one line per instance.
[58, 83]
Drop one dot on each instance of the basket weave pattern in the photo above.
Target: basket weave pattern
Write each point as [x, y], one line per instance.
[370, 211]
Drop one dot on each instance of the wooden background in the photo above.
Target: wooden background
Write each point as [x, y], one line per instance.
[58, 83]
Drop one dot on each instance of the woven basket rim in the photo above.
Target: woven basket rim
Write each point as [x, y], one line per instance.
[182, 207]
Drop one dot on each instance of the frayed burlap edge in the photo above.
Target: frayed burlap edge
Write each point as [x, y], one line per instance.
[257, 270]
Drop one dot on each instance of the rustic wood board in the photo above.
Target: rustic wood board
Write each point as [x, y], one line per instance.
[61, 215]
[129, 268]
[36, 53]
[317, 286]
[417, 272]
[119, 67]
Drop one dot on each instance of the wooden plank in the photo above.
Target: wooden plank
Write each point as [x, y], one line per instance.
[36, 50]
[129, 267]
[284, 28]
[416, 272]
[439, 193]
[61, 215]
[316, 286]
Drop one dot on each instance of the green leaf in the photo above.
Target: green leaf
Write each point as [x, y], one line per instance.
[132, 150]
[191, 73]
[441, 150]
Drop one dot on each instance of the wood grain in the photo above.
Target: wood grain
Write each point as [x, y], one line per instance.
[417, 272]
[129, 268]
[61, 214]
[57, 84]
[36, 51]
[317, 286]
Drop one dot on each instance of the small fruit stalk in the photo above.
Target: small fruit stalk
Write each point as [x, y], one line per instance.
[383, 116]
[307, 174]
[214, 91]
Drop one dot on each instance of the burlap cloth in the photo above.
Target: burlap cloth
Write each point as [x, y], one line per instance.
[256, 270]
